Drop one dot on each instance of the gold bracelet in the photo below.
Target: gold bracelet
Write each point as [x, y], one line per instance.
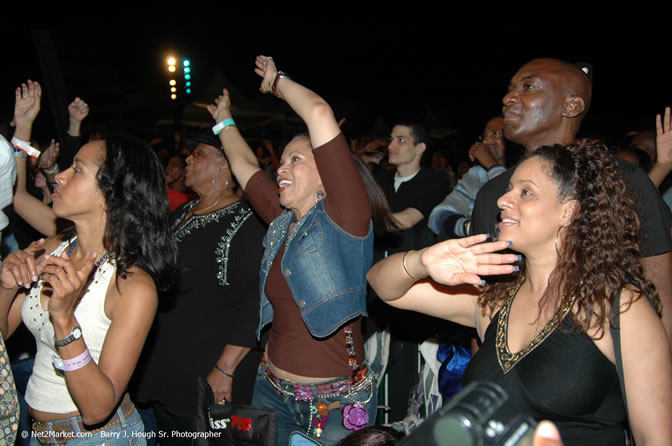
[403, 263]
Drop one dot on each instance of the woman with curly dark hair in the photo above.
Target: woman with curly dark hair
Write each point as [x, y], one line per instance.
[546, 331]
[89, 296]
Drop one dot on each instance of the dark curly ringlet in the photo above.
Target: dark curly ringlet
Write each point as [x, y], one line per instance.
[600, 249]
[133, 184]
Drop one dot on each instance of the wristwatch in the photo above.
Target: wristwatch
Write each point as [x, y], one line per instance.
[75, 334]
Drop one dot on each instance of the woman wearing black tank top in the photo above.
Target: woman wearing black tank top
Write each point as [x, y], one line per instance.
[546, 328]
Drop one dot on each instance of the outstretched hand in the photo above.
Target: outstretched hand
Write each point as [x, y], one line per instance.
[664, 139]
[21, 268]
[464, 260]
[265, 67]
[221, 109]
[66, 282]
[27, 106]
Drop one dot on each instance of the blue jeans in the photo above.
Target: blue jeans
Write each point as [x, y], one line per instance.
[295, 416]
[130, 431]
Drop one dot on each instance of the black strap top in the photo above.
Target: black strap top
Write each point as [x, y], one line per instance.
[562, 377]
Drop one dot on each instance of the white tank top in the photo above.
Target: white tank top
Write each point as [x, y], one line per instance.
[47, 391]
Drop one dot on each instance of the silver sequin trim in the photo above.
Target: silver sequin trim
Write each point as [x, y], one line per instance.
[196, 222]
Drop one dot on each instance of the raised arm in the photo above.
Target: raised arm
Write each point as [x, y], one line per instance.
[78, 110]
[315, 112]
[439, 280]
[32, 210]
[242, 159]
[663, 164]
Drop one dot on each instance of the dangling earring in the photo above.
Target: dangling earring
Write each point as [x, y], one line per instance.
[320, 195]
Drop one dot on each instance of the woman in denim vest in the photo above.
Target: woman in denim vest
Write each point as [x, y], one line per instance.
[313, 274]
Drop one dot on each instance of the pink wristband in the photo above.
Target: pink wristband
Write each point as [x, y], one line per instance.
[76, 363]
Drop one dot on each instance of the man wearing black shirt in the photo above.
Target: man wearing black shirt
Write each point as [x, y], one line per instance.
[545, 105]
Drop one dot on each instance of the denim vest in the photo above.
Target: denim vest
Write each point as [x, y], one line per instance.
[324, 266]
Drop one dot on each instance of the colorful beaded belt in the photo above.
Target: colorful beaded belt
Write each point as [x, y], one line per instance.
[359, 380]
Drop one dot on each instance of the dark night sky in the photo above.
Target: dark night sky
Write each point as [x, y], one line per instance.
[365, 71]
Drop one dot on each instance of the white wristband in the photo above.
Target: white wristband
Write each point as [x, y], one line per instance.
[25, 147]
[222, 125]
[70, 365]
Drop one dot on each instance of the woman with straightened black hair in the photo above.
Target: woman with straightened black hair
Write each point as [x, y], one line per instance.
[312, 283]
[89, 295]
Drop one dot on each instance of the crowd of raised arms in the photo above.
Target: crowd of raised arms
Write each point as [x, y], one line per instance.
[297, 276]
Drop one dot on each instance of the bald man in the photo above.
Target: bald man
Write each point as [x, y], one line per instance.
[546, 102]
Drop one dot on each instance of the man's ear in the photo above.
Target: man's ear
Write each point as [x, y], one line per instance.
[420, 148]
[573, 106]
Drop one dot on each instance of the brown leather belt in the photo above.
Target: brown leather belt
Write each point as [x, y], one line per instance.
[62, 431]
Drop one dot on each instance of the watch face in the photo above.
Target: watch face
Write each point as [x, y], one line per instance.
[76, 332]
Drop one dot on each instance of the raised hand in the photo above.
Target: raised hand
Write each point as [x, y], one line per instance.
[664, 139]
[221, 109]
[66, 282]
[464, 260]
[78, 110]
[22, 267]
[49, 156]
[27, 106]
[265, 67]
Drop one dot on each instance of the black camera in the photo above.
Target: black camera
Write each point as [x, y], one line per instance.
[479, 415]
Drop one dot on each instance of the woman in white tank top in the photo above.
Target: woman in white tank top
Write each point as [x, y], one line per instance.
[89, 295]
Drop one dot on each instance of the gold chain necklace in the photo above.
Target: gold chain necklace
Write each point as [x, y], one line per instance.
[200, 211]
[508, 360]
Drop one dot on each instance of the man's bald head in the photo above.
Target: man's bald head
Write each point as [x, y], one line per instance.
[573, 80]
[546, 103]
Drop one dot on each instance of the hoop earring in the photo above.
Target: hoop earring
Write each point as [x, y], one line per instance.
[226, 185]
[557, 235]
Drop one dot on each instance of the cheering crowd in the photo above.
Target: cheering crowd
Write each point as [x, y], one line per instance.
[259, 277]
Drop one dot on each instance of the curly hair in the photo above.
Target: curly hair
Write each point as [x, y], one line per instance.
[600, 250]
[137, 233]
